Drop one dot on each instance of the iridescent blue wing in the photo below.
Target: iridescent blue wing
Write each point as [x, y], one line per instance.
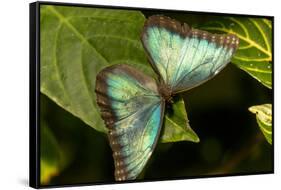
[185, 57]
[133, 112]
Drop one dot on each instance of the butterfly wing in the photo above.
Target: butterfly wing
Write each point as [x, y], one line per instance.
[185, 57]
[133, 112]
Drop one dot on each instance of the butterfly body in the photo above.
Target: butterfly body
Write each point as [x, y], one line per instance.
[132, 104]
[165, 92]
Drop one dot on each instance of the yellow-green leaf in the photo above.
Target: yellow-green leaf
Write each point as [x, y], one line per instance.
[254, 54]
[264, 119]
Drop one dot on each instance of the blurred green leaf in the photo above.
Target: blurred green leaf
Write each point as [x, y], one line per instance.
[254, 54]
[49, 154]
[176, 124]
[82, 150]
[264, 118]
[76, 43]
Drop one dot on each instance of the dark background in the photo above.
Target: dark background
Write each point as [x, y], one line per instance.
[230, 139]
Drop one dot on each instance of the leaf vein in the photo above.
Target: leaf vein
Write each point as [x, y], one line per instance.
[253, 43]
[136, 44]
[242, 26]
[55, 62]
[76, 32]
[262, 33]
[106, 19]
[256, 70]
[267, 22]
[251, 59]
[85, 81]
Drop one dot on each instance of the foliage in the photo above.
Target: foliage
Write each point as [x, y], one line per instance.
[264, 118]
[176, 119]
[254, 54]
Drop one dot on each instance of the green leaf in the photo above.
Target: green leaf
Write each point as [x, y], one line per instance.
[264, 118]
[76, 43]
[176, 124]
[50, 154]
[254, 54]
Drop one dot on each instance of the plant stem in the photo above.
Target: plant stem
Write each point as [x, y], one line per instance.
[240, 155]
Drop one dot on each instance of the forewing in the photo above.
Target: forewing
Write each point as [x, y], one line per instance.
[133, 111]
[182, 56]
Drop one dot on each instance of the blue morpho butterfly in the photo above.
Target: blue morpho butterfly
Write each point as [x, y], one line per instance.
[132, 104]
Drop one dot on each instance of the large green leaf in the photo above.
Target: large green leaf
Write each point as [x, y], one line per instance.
[264, 118]
[76, 43]
[254, 54]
